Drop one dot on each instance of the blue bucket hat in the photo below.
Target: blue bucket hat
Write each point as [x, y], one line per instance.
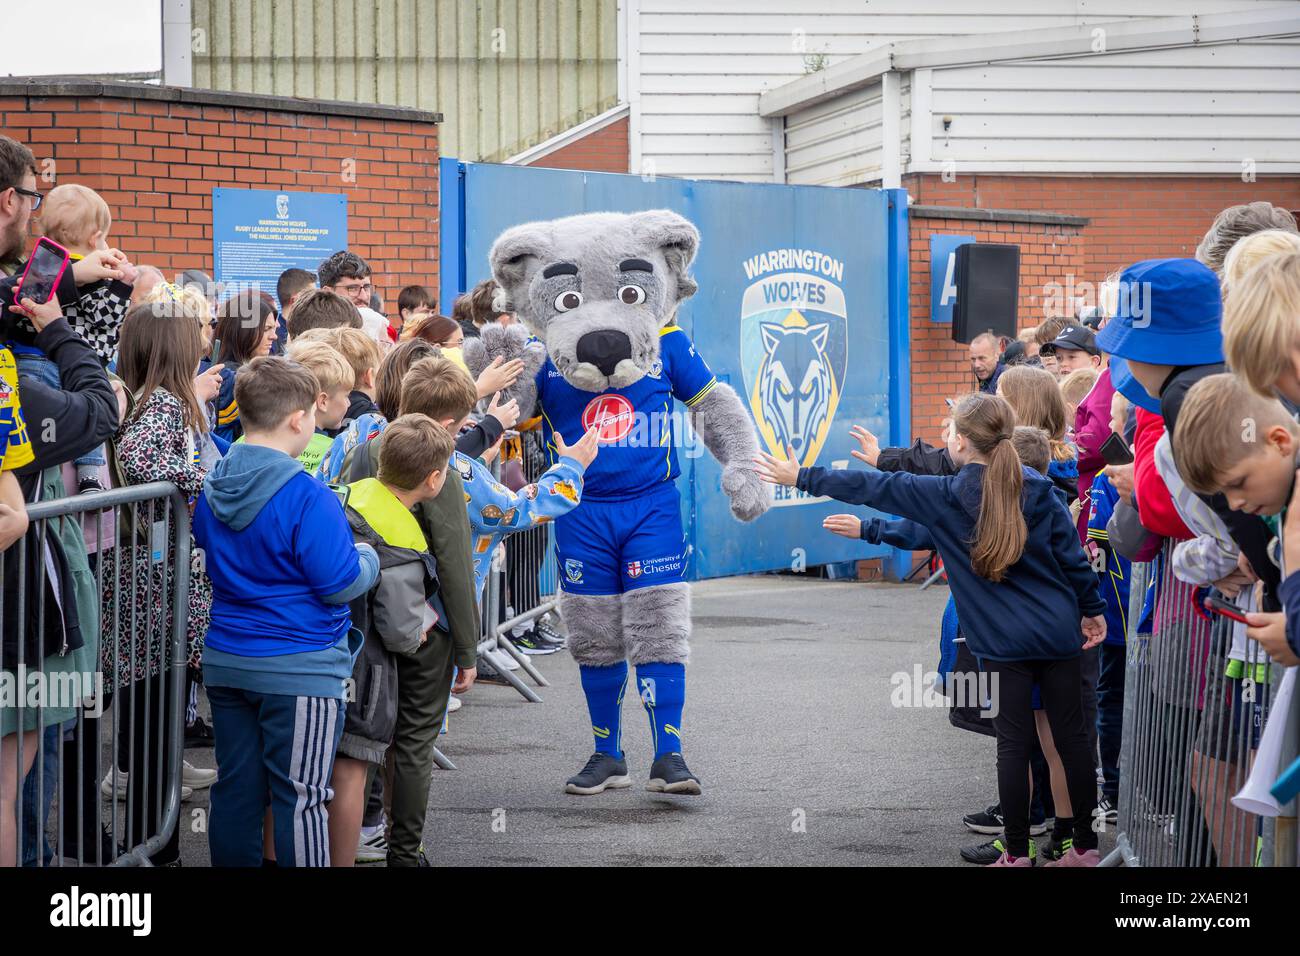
[1169, 313]
[1122, 378]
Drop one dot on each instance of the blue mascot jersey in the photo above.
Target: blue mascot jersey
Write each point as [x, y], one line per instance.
[636, 423]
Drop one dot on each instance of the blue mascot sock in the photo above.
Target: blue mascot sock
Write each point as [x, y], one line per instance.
[604, 688]
[663, 693]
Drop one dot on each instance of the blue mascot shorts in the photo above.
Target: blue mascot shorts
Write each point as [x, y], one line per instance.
[611, 546]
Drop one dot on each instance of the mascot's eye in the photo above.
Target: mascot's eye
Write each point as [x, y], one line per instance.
[568, 301]
[631, 295]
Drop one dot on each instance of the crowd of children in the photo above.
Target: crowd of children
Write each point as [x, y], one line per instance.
[344, 516]
[1164, 418]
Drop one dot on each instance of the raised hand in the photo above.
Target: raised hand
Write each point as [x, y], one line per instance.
[868, 444]
[777, 471]
[500, 374]
[506, 413]
[584, 452]
[848, 526]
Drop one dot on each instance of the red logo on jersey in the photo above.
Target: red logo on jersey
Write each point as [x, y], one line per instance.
[612, 414]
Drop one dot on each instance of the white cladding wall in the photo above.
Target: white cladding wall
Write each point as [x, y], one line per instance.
[1181, 107]
[701, 65]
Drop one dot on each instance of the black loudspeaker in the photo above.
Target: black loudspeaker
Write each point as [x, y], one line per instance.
[988, 290]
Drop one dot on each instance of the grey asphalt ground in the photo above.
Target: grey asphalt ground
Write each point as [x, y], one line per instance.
[789, 724]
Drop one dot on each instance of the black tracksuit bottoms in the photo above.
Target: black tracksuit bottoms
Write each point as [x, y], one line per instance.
[1060, 686]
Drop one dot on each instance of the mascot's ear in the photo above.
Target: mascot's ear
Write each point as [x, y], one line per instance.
[676, 238]
[510, 259]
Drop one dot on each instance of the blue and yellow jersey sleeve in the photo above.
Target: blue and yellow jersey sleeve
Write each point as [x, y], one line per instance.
[687, 372]
[15, 444]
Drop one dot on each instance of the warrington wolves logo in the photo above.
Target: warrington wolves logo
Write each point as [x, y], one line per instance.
[793, 349]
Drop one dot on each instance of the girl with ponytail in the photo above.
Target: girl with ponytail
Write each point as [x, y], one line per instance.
[1025, 593]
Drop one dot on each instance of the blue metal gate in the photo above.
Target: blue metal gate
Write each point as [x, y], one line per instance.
[827, 265]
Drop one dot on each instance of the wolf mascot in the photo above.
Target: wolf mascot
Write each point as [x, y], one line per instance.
[600, 293]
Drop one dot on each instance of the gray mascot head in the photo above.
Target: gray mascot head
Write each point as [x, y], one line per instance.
[597, 289]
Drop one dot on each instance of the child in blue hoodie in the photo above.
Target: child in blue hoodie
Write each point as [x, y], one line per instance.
[1024, 592]
[280, 646]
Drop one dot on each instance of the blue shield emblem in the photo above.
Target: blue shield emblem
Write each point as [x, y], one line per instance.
[794, 350]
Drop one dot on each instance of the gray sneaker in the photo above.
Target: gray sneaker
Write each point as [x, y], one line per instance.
[603, 772]
[669, 774]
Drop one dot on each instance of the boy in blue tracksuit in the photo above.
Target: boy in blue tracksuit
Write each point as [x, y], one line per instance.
[280, 647]
[1024, 590]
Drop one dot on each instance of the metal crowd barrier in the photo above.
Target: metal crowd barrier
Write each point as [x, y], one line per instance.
[1192, 723]
[521, 584]
[85, 721]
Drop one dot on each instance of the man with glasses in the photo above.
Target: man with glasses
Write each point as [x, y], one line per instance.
[348, 275]
[18, 200]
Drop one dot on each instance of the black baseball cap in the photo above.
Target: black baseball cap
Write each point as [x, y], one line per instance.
[1074, 338]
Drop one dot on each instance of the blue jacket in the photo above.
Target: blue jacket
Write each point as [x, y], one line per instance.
[283, 566]
[1034, 612]
[1115, 573]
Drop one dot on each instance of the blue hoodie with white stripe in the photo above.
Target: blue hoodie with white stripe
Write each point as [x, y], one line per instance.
[283, 566]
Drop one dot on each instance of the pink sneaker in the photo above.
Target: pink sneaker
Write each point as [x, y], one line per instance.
[1006, 860]
[1074, 858]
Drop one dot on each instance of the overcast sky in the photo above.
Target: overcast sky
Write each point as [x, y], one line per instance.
[82, 36]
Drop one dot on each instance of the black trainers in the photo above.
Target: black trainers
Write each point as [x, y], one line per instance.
[1108, 811]
[986, 821]
[1053, 849]
[990, 821]
[987, 853]
[669, 774]
[198, 734]
[603, 772]
[531, 643]
[548, 636]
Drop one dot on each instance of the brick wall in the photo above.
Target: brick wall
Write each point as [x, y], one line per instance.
[155, 155]
[1130, 219]
[603, 151]
[1133, 218]
[940, 366]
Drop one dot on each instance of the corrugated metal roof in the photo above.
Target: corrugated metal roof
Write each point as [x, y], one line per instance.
[505, 74]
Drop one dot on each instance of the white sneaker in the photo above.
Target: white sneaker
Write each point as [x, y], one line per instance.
[196, 777]
[372, 846]
[454, 704]
[106, 785]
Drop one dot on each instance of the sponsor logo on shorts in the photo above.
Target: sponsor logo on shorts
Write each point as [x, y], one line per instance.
[668, 564]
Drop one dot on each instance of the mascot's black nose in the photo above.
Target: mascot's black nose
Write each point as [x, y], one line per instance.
[604, 349]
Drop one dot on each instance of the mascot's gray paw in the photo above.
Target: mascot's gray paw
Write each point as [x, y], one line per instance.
[750, 495]
[507, 342]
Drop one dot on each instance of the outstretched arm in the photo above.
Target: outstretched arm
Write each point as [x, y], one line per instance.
[724, 425]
